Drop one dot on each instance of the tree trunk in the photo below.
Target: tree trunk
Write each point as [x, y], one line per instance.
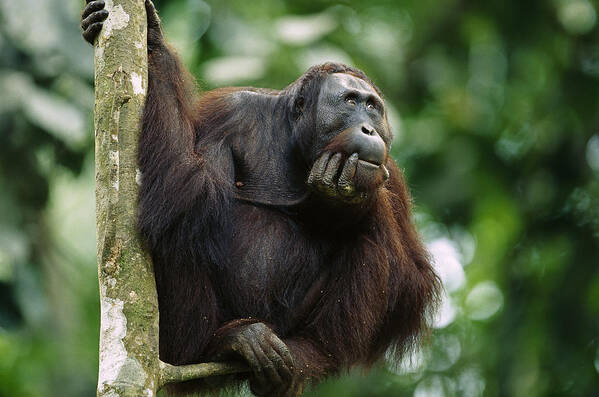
[129, 307]
[129, 363]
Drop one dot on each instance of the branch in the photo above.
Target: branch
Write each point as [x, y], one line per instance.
[172, 374]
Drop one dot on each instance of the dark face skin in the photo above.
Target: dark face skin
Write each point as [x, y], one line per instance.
[352, 141]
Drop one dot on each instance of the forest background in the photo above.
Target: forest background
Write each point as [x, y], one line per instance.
[495, 109]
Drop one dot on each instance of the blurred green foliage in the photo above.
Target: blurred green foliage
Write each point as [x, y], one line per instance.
[495, 107]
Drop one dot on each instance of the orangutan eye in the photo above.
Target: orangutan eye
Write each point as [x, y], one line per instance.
[373, 105]
[351, 99]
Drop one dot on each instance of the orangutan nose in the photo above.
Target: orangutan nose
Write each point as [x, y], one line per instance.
[368, 144]
[368, 130]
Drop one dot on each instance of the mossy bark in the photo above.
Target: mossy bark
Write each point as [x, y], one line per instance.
[129, 363]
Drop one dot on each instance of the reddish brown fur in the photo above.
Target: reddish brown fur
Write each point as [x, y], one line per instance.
[339, 286]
